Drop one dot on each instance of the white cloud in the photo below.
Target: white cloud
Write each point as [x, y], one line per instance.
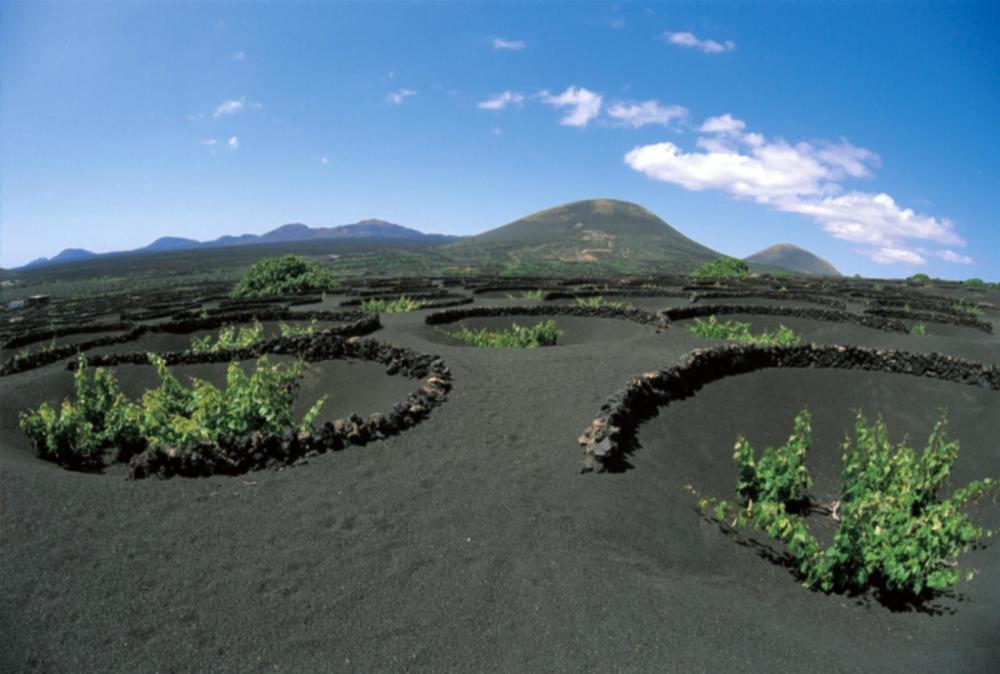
[501, 101]
[722, 124]
[233, 143]
[894, 255]
[497, 131]
[210, 142]
[585, 105]
[637, 114]
[231, 107]
[240, 56]
[690, 41]
[500, 43]
[324, 160]
[952, 256]
[398, 96]
[618, 23]
[804, 178]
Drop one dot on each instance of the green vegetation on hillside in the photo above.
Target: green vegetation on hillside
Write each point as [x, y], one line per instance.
[518, 337]
[723, 268]
[285, 275]
[893, 532]
[101, 418]
[228, 338]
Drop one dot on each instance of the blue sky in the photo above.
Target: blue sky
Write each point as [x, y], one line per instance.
[865, 133]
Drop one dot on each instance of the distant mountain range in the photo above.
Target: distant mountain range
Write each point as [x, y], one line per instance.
[365, 229]
[791, 257]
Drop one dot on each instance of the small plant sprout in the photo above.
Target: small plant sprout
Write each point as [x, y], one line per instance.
[599, 301]
[918, 329]
[229, 338]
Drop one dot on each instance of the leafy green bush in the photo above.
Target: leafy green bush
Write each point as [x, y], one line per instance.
[893, 531]
[599, 301]
[229, 338]
[78, 435]
[298, 330]
[171, 415]
[920, 278]
[975, 282]
[285, 275]
[919, 329]
[400, 306]
[520, 337]
[970, 308]
[532, 294]
[723, 268]
[740, 332]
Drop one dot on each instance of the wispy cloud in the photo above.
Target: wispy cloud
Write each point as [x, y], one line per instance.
[691, 41]
[805, 178]
[400, 95]
[231, 107]
[233, 143]
[210, 142]
[503, 44]
[501, 101]
[324, 160]
[239, 56]
[584, 105]
[637, 114]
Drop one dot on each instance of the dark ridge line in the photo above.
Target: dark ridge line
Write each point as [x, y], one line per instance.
[512, 287]
[828, 315]
[611, 436]
[624, 313]
[256, 451]
[31, 337]
[927, 317]
[439, 302]
[619, 292]
[357, 323]
[795, 296]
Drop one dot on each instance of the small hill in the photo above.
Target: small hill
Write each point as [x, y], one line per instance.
[596, 235]
[793, 258]
[67, 255]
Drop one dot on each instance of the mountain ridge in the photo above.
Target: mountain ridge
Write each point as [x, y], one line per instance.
[370, 228]
[793, 258]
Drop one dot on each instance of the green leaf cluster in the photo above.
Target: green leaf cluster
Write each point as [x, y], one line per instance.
[738, 331]
[599, 301]
[894, 532]
[970, 308]
[229, 338]
[398, 306]
[518, 336]
[298, 330]
[723, 268]
[918, 329]
[101, 418]
[284, 275]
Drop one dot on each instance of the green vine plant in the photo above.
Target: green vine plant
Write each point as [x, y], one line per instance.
[229, 338]
[518, 336]
[599, 301]
[713, 328]
[400, 306]
[894, 533]
[298, 330]
[100, 418]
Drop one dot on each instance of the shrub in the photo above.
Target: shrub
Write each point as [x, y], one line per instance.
[976, 282]
[532, 294]
[540, 334]
[171, 415]
[970, 308]
[228, 338]
[78, 435]
[723, 268]
[599, 301]
[400, 306]
[740, 332]
[919, 329]
[285, 275]
[893, 533]
[920, 278]
[298, 330]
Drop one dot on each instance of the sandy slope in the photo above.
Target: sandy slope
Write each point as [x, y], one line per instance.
[471, 542]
